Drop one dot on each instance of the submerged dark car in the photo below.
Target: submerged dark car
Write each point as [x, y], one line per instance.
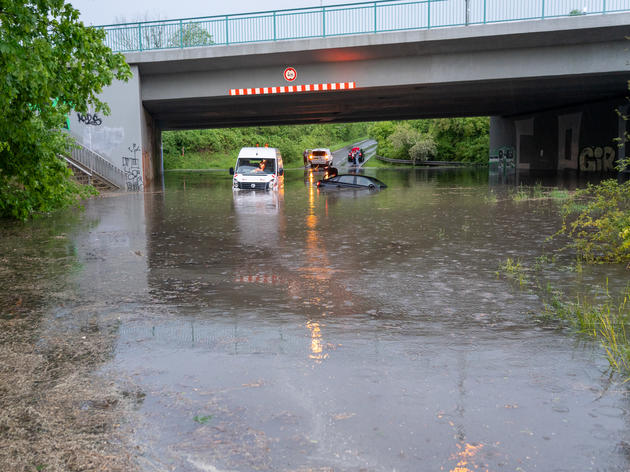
[351, 181]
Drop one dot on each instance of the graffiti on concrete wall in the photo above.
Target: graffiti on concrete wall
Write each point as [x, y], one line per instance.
[90, 119]
[503, 159]
[131, 168]
[597, 159]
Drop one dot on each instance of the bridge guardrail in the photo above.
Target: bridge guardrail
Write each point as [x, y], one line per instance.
[97, 164]
[340, 20]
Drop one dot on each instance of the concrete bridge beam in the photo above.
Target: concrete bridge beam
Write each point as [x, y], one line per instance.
[128, 137]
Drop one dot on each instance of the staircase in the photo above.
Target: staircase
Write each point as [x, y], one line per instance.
[91, 168]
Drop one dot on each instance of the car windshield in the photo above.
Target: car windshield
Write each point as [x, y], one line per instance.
[319, 153]
[255, 166]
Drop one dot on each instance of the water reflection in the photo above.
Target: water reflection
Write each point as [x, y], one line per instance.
[317, 345]
[260, 218]
[358, 332]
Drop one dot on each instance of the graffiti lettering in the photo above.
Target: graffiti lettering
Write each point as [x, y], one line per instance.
[89, 119]
[502, 159]
[131, 168]
[597, 159]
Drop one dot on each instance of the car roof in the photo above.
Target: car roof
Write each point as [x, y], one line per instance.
[357, 175]
[258, 152]
[321, 149]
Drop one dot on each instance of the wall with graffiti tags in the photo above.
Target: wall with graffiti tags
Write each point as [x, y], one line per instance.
[597, 159]
[581, 138]
[503, 160]
[132, 169]
[117, 137]
[502, 148]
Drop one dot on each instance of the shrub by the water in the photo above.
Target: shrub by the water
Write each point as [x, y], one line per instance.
[597, 221]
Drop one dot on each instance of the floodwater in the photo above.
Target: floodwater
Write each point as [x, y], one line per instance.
[342, 331]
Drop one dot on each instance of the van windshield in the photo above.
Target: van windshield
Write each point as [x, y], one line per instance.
[255, 166]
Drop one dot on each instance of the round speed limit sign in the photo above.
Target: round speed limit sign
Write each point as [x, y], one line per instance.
[290, 74]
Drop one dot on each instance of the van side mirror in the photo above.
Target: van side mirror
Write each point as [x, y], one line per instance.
[281, 172]
[231, 170]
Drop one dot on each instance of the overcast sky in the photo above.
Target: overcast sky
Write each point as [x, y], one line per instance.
[103, 12]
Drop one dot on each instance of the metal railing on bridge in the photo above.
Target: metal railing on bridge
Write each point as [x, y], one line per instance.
[340, 20]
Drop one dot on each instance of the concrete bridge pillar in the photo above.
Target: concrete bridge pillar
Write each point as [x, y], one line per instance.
[583, 138]
[128, 137]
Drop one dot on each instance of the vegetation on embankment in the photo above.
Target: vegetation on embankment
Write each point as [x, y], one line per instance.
[452, 139]
[599, 314]
[445, 139]
[596, 224]
[58, 410]
[597, 220]
[50, 63]
[218, 148]
[606, 321]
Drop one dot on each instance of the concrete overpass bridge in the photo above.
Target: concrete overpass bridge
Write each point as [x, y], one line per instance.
[551, 84]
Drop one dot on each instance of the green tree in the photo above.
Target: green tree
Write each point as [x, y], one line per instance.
[409, 143]
[449, 139]
[462, 139]
[50, 63]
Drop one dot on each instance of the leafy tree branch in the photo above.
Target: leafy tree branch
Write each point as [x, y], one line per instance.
[50, 63]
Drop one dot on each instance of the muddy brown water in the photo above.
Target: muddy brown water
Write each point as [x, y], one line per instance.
[347, 331]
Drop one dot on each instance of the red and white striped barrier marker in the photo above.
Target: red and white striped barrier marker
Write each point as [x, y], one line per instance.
[294, 88]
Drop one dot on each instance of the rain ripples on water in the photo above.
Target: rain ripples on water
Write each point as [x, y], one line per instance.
[316, 331]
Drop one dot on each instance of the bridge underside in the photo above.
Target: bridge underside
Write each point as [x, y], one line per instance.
[552, 88]
[500, 97]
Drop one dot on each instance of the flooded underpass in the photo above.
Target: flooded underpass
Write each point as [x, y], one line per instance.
[304, 330]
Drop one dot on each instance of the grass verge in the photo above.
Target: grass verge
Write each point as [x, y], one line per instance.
[605, 318]
[607, 322]
[56, 412]
[216, 160]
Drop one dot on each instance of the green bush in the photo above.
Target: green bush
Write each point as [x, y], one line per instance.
[455, 139]
[597, 220]
[409, 143]
[211, 146]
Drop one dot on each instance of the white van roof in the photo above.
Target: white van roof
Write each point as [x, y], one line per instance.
[262, 152]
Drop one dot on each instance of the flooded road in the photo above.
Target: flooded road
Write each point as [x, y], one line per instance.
[346, 331]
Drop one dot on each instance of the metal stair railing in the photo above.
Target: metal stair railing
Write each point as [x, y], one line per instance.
[98, 165]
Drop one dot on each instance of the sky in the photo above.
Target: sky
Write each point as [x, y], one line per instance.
[104, 12]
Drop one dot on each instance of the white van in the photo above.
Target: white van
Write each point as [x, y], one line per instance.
[257, 168]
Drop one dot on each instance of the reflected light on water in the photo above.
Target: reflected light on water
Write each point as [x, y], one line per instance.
[257, 278]
[465, 457]
[317, 344]
[316, 257]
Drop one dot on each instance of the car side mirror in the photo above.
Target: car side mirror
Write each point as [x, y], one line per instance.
[280, 172]
[231, 170]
